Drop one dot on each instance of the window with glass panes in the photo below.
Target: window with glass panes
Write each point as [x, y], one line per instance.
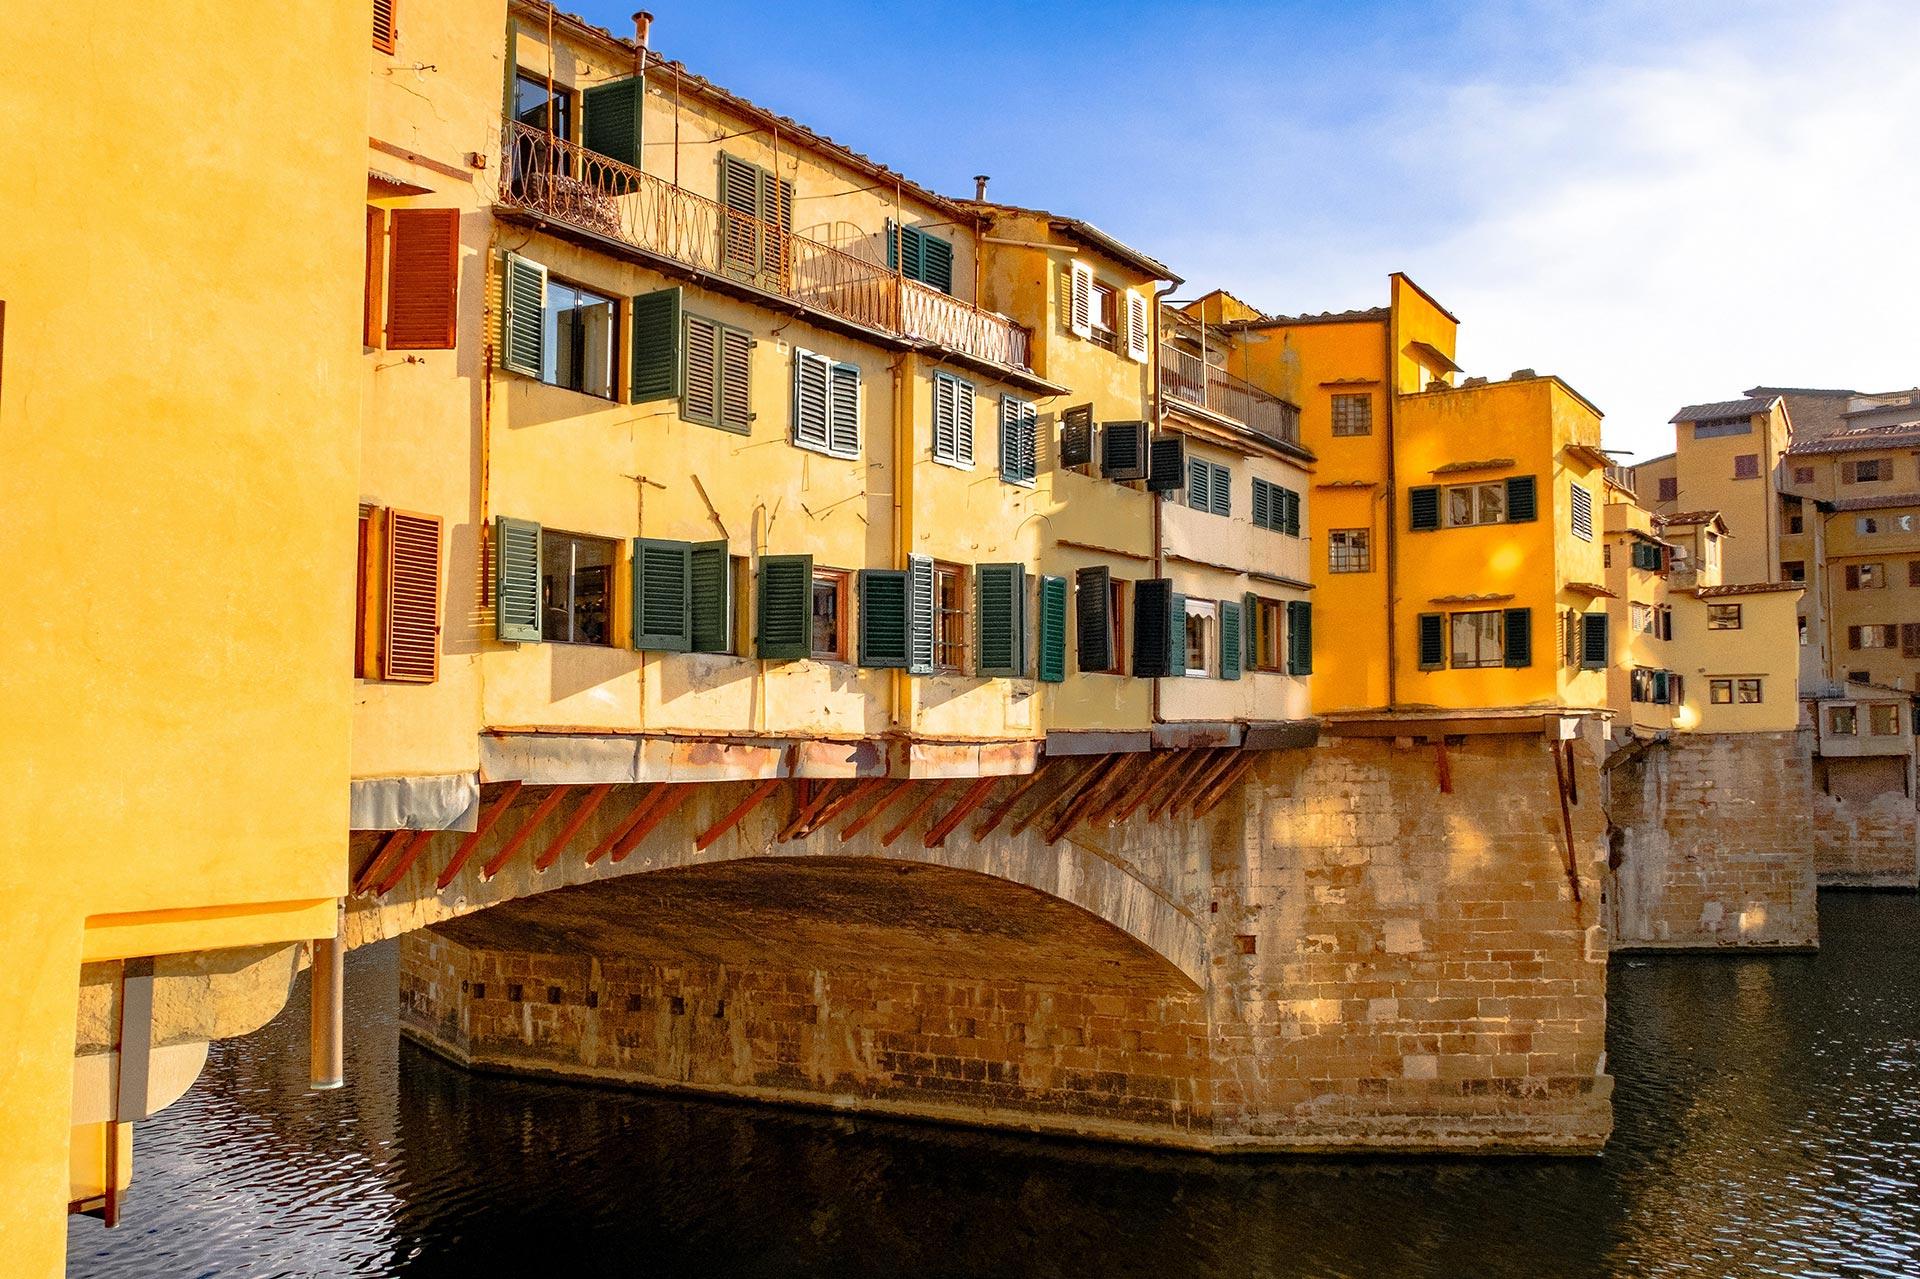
[1477, 639]
[1349, 550]
[578, 330]
[949, 617]
[576, 587]
[1201, 622]
[829, 614]
[1353, 414]
[1468, 504]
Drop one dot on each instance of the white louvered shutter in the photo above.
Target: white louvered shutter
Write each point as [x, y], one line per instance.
[1029, 440]
[1080, 311]
[1137, 327]
[920, 614]
[944, 398]
[811, 374]
[963, 398]
[843, 410]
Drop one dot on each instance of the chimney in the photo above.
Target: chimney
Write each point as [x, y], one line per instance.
[979, 186]
[642, 26]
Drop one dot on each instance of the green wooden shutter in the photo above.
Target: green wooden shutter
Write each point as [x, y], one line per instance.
[1123, 450]
[522, 334]
[1076, 436]
[946, 418]
[1250, 627]
[1220, 491]
[1092, 600]
[1177, 635]
[1423, 508]
[1167, 464]
[1017, 418]
[1152, 628]
[1518, 630]
[1522, 500]
[920, 638]
[883, 617]
[937, 262]
[710, 593]
[1001, 607]
[662, 595]
[784, 607]
[1232, 647]
[740, 201]
[843, 410]
[811, 377]
[1433, 641]
[736, 380]
[1292, 512]
[612, 124]
[1262, 503]
[1299, 637]
[1198, 484]
[1593, 641]
[1053, 629]
[655, 358]
[516, 580]
[700, 396]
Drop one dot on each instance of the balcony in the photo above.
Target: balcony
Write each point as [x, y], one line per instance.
[561, 182]
[1191, 379]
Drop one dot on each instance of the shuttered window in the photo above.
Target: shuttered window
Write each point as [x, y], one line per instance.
[374, 309]
[1512, 501]
[1076, 436]
[1593, 641]
[922, 588]
[1433, 641]
[919, 256]
[1019, 440]
[1580, 509]
[718, 379]
[408, 598]
[385, 31]
[1053, 629]
[1299, 637]
[662, 595]
[1232, 646]
[1080, 299]
[1522, 504]
[811, 375]
[1093, 625]
[1154, 624]
[1123, 450]
[783, 611]
[710, 597]
[1167, 464]
[953, 401]
[1423, 508]
[1138, 331]
[612, 125]
[516, 588]
[883, 617]
[655, 362]
[758, 210]
[1276, 508]
[1519, 637]
[522, 328]
[423, 284]
[1210, 488]
[1001, 606]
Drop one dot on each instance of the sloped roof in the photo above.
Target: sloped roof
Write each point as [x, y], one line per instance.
[1723, 408]
[1876, 503]
[1690, 517]
[1858, 438]
[1086, 233]
[1324, 317]
[1746, 588]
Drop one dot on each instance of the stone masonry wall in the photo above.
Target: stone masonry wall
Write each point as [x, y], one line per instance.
[1864, 829]
[1715, 844]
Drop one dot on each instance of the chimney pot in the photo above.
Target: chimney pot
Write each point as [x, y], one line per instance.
[979, 186]
[642, 26]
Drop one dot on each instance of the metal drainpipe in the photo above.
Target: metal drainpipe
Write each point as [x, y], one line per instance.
[1159, 424]
[642, 27]
[903, 371]
[326, 1062]
[1391, 382]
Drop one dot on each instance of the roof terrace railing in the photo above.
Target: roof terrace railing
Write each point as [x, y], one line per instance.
[1187, 377]
[559, 180]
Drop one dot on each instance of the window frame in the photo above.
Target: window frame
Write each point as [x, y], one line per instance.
[547, 571]
[550, 337]
[1206, 612]
[1741, 683]
[838, 580]
[1479, 491]
[1102, 334]
[1746, 466]
[1723, 617]
[1874, 711]
[947, 647]
[1356, 558]
[1348, 424]
[965, 392]
[1498, 639]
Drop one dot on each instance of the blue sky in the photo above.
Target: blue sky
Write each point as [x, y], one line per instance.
[1661, 202]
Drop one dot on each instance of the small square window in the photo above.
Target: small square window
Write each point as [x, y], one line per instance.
[1723, 617]
[1883, 720]
[829, 614]
[1720, 692]
[1353, 414]
[1793, 570]
[1478, 639]
[1803, 475]
[1469, 504]
[1842, 721]
[1747, 691]
[1349, 550]
[1746, 466]
[1668, 489]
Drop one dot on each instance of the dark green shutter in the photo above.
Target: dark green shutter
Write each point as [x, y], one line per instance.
[1292, 508]
[883, 617]
[1262, 504]
[740, 198]
[1167, 464]
[1593, 641]
[1299, 637]
[937, 255]
[1153, 628]
[1250, 628]
[1002, 611]
[612, 124]
[736, 380]
[1092, 600]
[1123, 450]
[1518, 630]
[1522, 501]
[1423, 508]
[700, 393]
[516, 580]
[1660, 687]
[711, 591]
[1053, 629]
[1232, 647]
[523, 286]
[662, 595]
[921, 648]
[1076, 436]
[655, 358]
[784, 607]
[1433, 641]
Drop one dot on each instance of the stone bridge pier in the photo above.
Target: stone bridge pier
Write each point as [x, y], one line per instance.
[1370, 943]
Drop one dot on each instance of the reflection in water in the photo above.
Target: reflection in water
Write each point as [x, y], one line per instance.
[1768, 1117]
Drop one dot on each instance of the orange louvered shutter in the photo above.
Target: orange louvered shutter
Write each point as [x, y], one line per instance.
[412, 649]
[383, 28]
[376, 273]
[423, 281]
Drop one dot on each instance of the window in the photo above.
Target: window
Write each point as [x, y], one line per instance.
[826, 405]
[577, 333]
[758, 218]
[422, 269]
[1201, 621]
[1276, 508]
[1883, 720]
[953, 401]
[829, 615]
[1353, 414]
[1856, 677]
[1720, 692]
[719, 367]
[1210, 486]
[1104, 316]
[1713, 428]
[1866, 524]
[533, 160]
[1668, 488]
[576, 588]
[1872, 636]
[1640, 618]
[1349, 550]
[1746, 466]
[1019, 440]
[1477, 639]
[1723, 617]
[1796, 514]
[949, 617]
[1865, 470]
[1653, 686]
[1913, 572]
[1116, 621]
[1805, 636]
[1710, 550]
[1803, 475]
[1468, 504]
[1842, 721]
[1663, 621]
[1747, 691]
[384, 33]
[1866, 577]
[1581, 512]
[1606, 557]
[1796, 571]
[919, 256]
[1264, 634]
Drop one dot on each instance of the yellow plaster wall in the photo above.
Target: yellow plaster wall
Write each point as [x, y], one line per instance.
[1704, 470]
[1628, 647]
[178, 433]
[1765, 645]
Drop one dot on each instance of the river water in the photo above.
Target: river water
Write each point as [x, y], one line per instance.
[1767, 1123]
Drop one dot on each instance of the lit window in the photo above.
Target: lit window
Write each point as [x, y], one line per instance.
[577, 329]
[1723, 617]
[1842, 721]
[1353, 414]
[1264, 626]
[1202, 618]
[830, 614]
[950, 617]
[1747, 690]
[1469, 504]
[1105, 315]
[1349, 550]
[1720, 692]
[1883, 720]
[576, 588]
[1477, 639]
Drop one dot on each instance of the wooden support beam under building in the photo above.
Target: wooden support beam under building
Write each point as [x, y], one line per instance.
[405, 855]
[1177, 782]
[1063, 793]
[807, 809]
[926, 800]
[838, 805]
[661, 805]
[1442, 766]
[541, 811]
[938, 832]
[588, 805]
[736, 815]
[1091, 794]
[1005, 806]
[1219, 761]
[894, 789]
[1225, 784]
[383, 856]
[632, 819]
[489, 818]
[1158, 766]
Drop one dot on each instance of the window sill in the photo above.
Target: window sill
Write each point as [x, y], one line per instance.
[811, 448]
[952, 462]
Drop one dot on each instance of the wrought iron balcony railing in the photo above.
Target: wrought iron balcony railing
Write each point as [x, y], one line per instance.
[1187, 377]
[557, 179]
